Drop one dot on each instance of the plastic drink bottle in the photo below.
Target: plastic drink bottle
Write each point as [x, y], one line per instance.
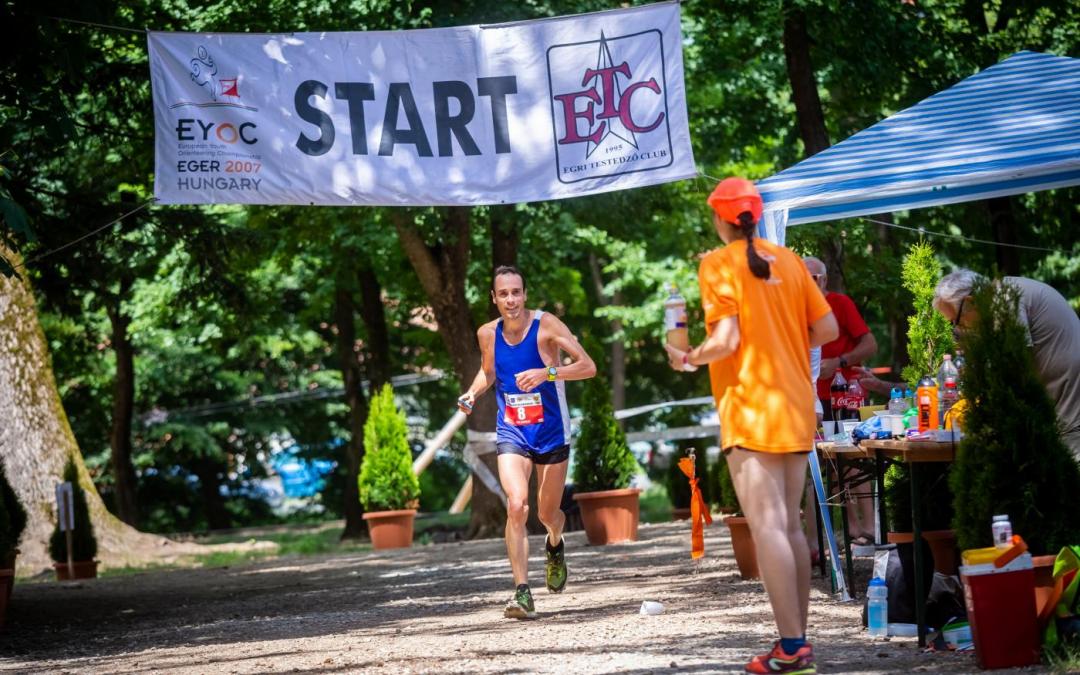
[838, 396]
[926, 401]
[678, 336]
[897, 404]
[856, 397]
[1002, 530]
[877, 608]
[948, 386]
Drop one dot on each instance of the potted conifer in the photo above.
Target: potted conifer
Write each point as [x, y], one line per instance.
[929, 339]
[603, 469]
[742, 542]
[389, 490]
[83, 541]
[12, 524]
[1012, 459]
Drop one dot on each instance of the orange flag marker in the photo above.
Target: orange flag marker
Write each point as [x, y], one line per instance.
[699, 510]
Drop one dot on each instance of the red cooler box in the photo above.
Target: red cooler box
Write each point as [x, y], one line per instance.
[1001, 611]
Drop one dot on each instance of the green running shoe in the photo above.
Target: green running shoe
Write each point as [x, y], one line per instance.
[521, 605]
[555, 569]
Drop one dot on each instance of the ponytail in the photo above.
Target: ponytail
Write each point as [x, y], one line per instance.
[758, 267]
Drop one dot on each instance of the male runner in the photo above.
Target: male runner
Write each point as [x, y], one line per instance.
[520, 356]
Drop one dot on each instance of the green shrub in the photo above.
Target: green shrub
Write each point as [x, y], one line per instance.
[84, 543]
[1012, 459]
[929, 339]
[723, 487]
[602, 459]
[387, 481]
[12, 517]
[929, 333]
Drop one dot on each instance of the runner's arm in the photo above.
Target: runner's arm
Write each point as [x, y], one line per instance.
[581, 368]
[485, 377]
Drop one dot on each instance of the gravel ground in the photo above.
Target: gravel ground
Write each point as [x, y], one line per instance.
[437, 608]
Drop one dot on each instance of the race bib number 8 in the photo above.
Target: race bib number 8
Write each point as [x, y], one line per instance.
[524, 409]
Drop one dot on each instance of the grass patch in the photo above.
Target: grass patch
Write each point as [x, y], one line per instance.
[655, 504]
[1064, 658]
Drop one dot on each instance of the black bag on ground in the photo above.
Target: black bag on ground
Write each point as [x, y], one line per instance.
[900, 578]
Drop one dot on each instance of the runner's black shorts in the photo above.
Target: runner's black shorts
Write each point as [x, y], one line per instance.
[560, 454]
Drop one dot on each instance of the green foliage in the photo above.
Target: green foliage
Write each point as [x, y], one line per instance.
[387, 481]
[602, 459]
[1012, 459]
[12, 517]
[929, 333]
[723, 487]
[84, 543]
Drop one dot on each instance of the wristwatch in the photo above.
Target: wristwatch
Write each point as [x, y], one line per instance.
[552, 372]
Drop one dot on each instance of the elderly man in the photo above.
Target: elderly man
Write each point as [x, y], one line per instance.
[1053, 332]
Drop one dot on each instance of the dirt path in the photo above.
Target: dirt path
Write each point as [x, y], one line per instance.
[435, 609]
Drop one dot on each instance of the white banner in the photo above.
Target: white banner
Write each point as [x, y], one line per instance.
[448, 116]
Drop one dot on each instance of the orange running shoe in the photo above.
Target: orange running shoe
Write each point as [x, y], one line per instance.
[777, 661]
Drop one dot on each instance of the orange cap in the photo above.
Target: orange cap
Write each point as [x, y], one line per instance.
[733, 196]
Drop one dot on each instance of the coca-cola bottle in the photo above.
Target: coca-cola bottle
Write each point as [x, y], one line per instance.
[838, 392]
[856, 398]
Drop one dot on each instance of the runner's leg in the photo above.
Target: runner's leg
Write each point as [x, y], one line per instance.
[514, 472]
[761, 483]
[551, 482]
[796, 469]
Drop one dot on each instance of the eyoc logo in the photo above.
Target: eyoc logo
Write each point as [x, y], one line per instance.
[223, 92]
[609, 106]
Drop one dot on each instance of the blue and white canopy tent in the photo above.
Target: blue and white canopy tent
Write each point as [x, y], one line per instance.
[1010, 129]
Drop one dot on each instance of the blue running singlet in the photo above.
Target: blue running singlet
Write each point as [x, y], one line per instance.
[539, 420]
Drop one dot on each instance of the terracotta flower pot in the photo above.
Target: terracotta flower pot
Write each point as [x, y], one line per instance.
[1044, 586]
[942, 546]
[680, 513]
[742, 542]
[7, 580]
[609, 516]
[81, 569]
[391, 529]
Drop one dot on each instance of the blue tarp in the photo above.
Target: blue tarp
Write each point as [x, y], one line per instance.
[1012, 128]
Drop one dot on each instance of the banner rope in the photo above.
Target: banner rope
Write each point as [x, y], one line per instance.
[86, 236]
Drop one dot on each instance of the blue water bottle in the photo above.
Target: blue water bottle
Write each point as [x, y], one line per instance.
[877, 608]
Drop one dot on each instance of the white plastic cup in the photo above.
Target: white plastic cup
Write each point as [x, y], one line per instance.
[651, 608]
[848, 426]
[829, 429]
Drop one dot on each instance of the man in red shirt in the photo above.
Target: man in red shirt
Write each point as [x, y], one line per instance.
[854, 346]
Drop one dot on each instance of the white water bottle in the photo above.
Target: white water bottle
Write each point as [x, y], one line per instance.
[877, 608]
[948, 387]
[678, 335]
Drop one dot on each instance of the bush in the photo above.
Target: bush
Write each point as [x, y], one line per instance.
[83, 541]
[602, 459]
[12, 518]
[929, 339]
[387, 481]
[1012, 459]
[723, 487]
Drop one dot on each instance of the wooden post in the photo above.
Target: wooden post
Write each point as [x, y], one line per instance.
[463, 497]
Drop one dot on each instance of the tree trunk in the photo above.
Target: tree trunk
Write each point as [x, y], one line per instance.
[811, 120]
[377, 360]
[355, 526]
[36, 440]
[441, 269]
[617, 367]
[1004, 224]
[505, 240]
[211, 473]
[884, 247]
[125, 480]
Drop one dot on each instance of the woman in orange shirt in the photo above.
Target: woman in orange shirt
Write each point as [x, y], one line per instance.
[763, 313]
